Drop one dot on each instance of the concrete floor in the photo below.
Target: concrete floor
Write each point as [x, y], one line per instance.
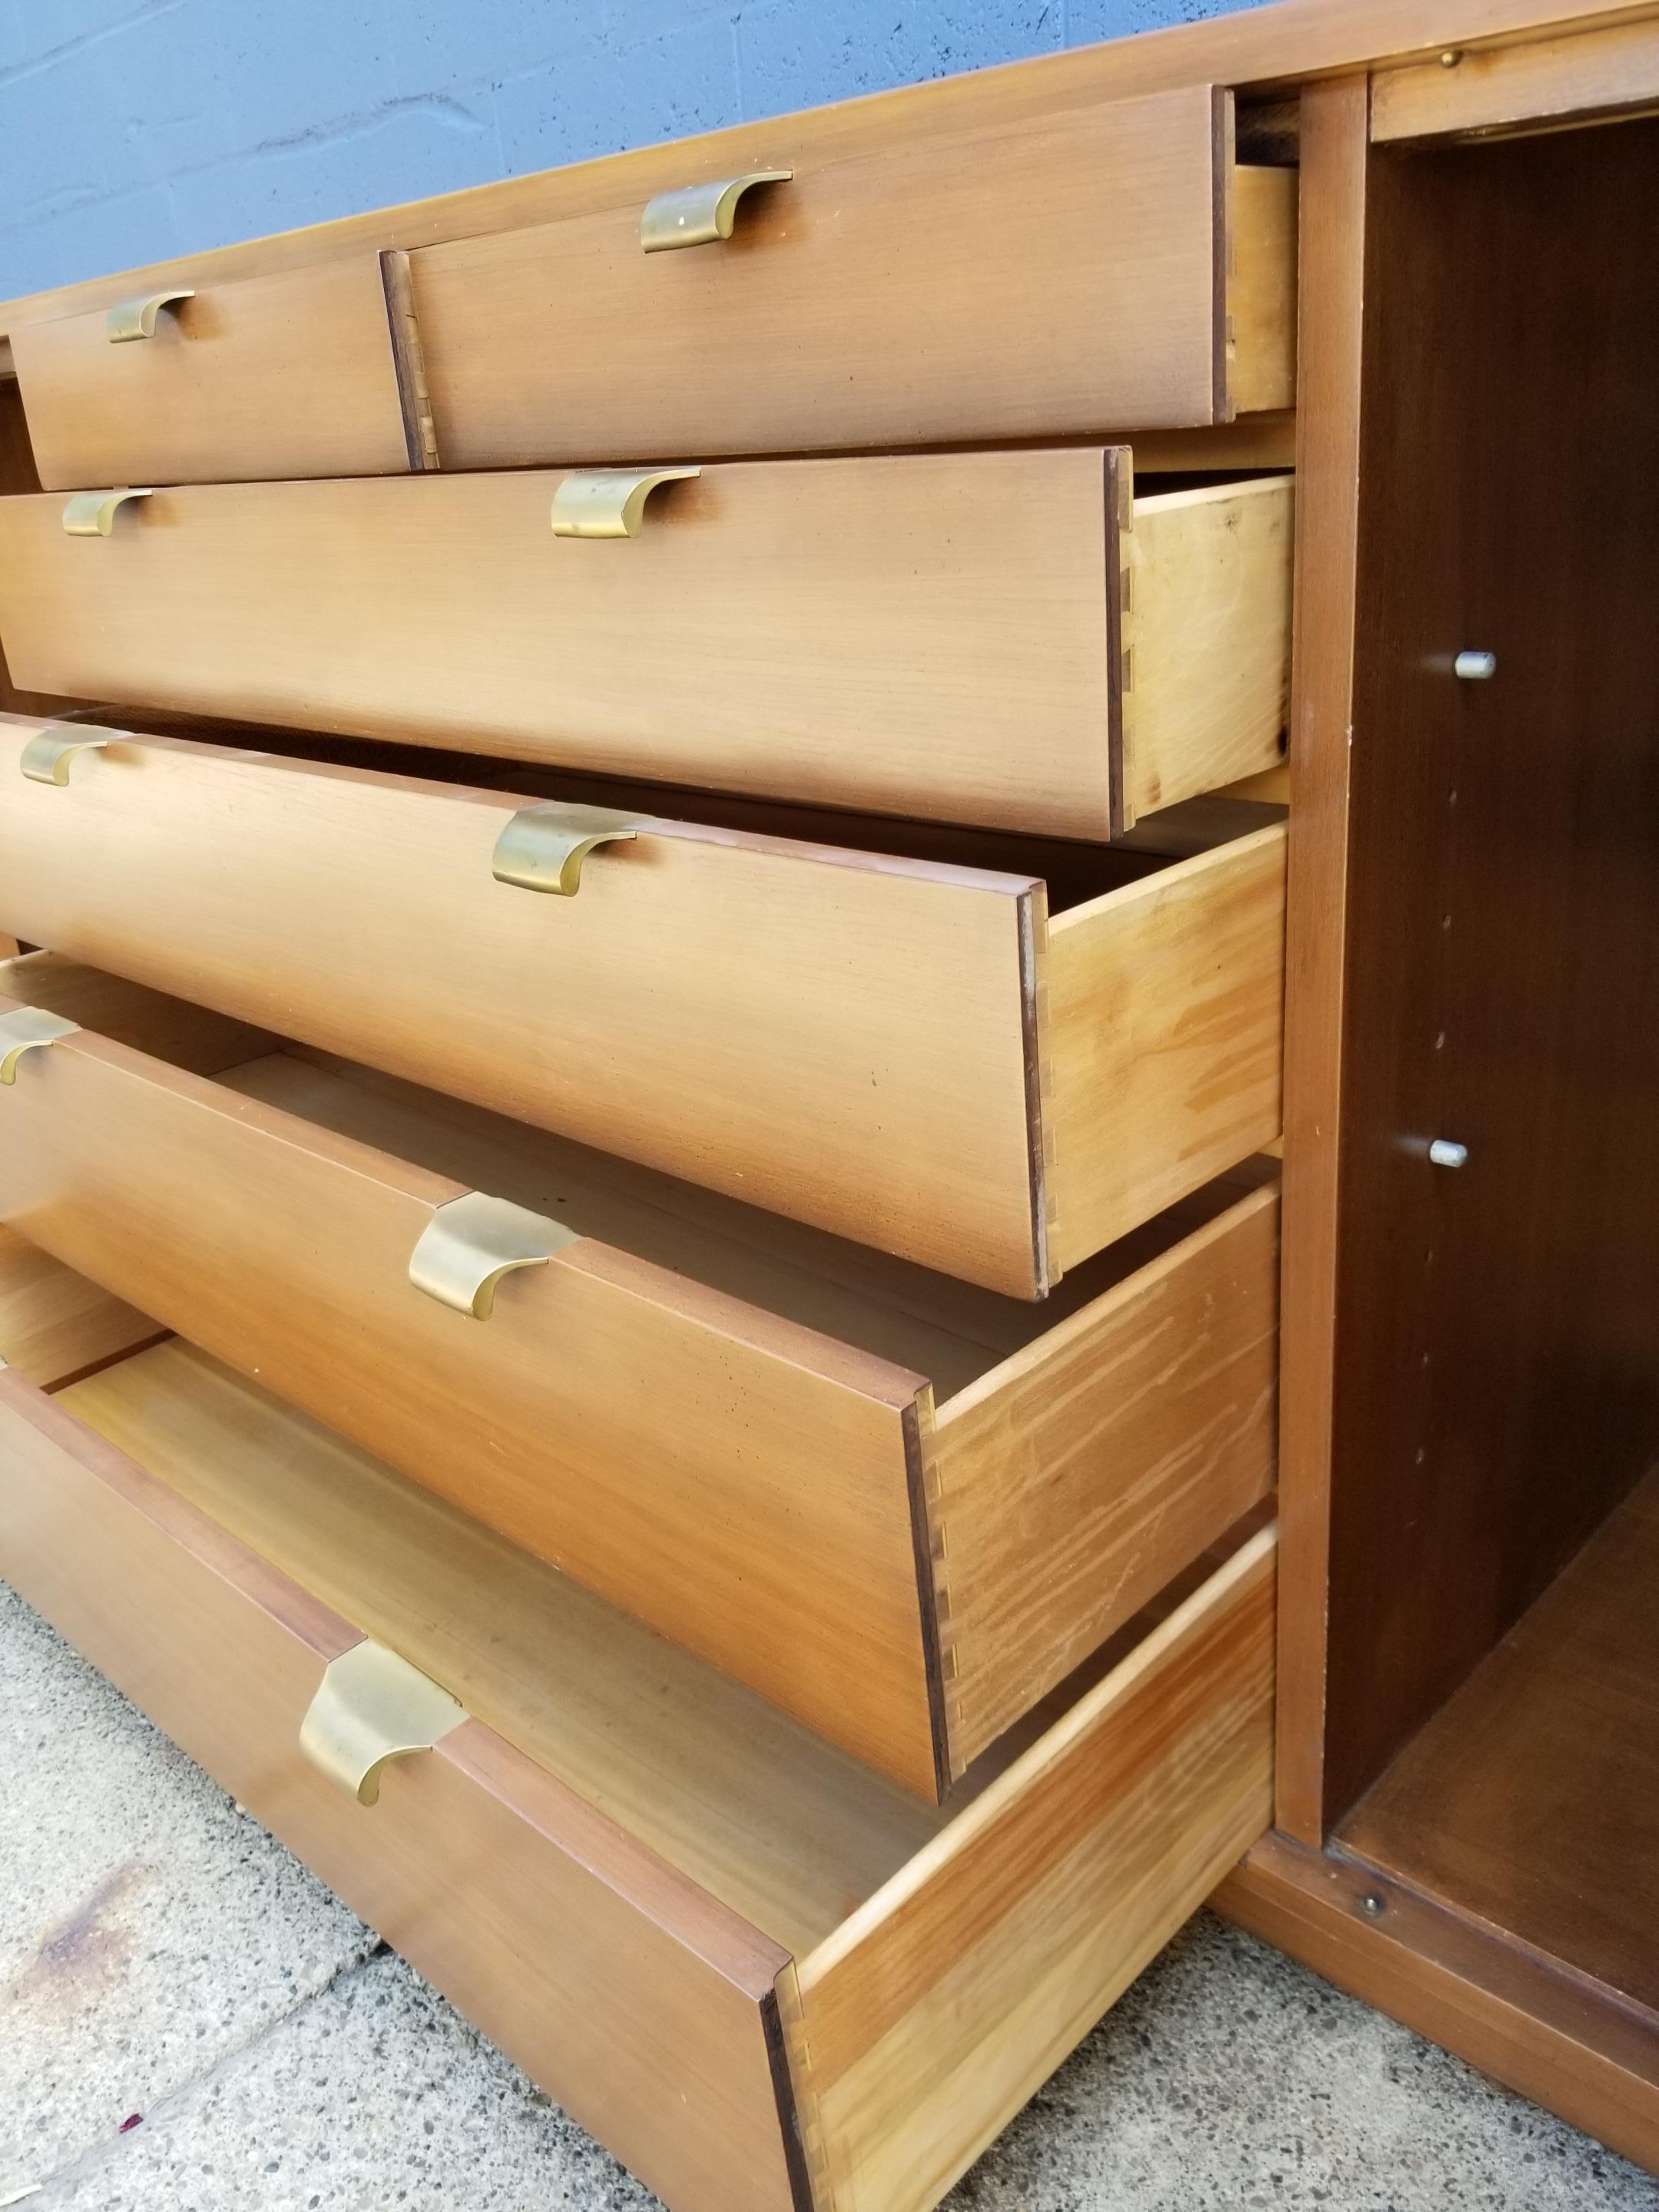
[187, 2020]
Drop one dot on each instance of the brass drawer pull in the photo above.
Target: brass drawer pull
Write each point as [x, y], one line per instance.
[372, 1706]
[25, 1028]
[135, 319]
[473, 1241]
[92, 514]
[608, 502]
[46, 757]
[542, 847]
[700, 215]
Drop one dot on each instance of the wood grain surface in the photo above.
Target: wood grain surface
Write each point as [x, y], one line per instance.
[920, 633]
[742, 1483]
[910, 633]
[1329, 345]
[852, 1036]
[917, 293]
[927, 2020]
[1207, 630]
[637, 2001]
[291, 374]
[783, 1829]
[1073, 1481]
[1161, 1036]
[54, 1324]
[1530, 1802]
[1543, 82]
[1498, 1326]
[962, 1959]
[844, 1036]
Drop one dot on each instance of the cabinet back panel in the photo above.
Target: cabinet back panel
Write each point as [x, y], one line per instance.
[1498, 1325]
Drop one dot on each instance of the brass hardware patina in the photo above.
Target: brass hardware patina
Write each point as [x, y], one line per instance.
[92, 514]
[372, 1706]
[135, 319]
[473, 1241]
[25, 1028]
[46, 757]
[608, 502]
[542, 847]
[700, 215]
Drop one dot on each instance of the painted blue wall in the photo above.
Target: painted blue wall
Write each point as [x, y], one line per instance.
[133, 129]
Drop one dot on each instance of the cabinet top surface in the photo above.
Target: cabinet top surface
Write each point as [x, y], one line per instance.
[1259, 50]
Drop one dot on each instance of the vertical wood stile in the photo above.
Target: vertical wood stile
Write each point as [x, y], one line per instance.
[1334, 124]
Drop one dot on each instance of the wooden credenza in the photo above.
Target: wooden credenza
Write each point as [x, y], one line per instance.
[640, 1186]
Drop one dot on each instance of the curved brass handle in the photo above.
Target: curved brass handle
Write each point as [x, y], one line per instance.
[135, 319]
[372, 1706]
[608, 502]
[473, 1241]
[22, 1030]
[46, 757]
[542, 847]
[92, 514]
[700, 215]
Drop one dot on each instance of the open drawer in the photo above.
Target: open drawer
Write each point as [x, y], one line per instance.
[1014, 639]
[306, 373]
[768, 1980]
[1111, 266]
[992, 1072]
[899, 1508]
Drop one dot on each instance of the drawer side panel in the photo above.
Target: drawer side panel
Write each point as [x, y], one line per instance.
[1077, 1478]
[932, 2015]
[1164, 1038]
[1208, 635]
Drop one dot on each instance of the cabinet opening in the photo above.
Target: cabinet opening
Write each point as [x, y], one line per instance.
[1492, 1729]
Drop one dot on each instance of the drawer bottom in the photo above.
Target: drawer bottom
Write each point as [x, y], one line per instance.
[769, 1980]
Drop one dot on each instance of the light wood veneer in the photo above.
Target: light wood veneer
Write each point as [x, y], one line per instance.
[770, 1982]
[1055, 276]
[938, 634]
[913, 1052]
[292, 374]
[901, 1509]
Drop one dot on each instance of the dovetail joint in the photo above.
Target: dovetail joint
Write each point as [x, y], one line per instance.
[809, 2125]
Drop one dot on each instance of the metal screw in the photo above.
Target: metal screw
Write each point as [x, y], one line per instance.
[1370, 1903]
[1475, 667]
[1451, 57]
[1443, 1153]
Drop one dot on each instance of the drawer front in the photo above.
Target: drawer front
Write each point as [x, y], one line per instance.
[906, 1053]
[931, 634]
[844, 1037]
[746, 1485]
[920, 2001]
[291, 375]
[644, 2006]
[1163, 1029]
[1063, 276]
[924, 634]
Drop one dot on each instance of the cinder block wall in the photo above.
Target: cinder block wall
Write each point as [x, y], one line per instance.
[132, 130]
